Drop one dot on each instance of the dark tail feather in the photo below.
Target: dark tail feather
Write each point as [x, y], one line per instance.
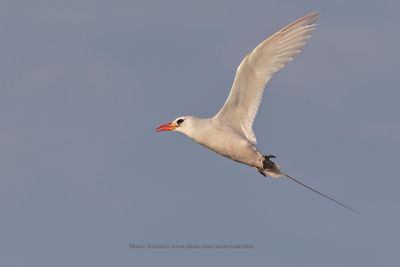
[319, 193]
[269, 167]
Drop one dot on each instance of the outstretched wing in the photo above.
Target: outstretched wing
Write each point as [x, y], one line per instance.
[257, 69]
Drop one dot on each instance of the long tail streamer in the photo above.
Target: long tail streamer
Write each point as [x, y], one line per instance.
[319, 193]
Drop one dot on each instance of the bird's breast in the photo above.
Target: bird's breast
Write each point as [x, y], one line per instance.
[227, 143]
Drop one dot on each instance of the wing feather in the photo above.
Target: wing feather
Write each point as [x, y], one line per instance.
[257, 68]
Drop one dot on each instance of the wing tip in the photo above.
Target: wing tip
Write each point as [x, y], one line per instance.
[308, 20]
[311, 17]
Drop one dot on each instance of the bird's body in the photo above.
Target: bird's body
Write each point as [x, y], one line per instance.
[229, 133]
[221, 138]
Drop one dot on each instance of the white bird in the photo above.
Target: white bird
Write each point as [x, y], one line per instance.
[229, 133]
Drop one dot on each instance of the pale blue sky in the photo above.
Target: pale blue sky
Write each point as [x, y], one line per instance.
[83, 175]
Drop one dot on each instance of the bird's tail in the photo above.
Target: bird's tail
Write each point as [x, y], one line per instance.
[272, 169]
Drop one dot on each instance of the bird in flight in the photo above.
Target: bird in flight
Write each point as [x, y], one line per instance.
[229, 133]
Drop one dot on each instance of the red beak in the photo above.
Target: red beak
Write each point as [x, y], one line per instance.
[165, 127]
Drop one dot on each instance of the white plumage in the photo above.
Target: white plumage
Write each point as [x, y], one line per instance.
[257, 68]
[230, 133]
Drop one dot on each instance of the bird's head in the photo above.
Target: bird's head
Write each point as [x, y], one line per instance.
[181, 124]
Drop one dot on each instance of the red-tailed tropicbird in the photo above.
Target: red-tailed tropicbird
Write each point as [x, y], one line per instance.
[229, 133]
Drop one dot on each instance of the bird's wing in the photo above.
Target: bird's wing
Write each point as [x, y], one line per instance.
[257, 69]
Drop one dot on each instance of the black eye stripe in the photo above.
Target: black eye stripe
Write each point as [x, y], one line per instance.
[179, 121]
